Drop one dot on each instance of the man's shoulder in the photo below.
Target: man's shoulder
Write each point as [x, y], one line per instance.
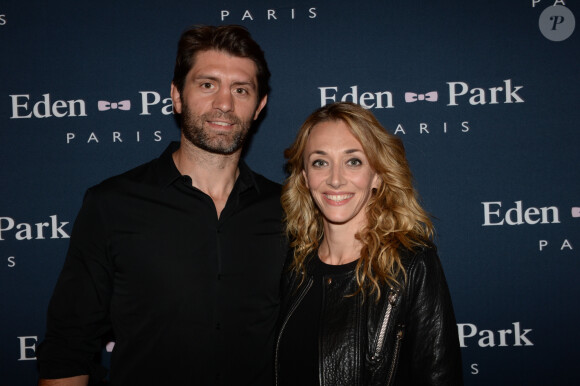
[265, 185]
[146, 173]
[156, 172]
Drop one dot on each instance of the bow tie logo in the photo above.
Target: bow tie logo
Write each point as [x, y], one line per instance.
[122, 105]
[429, 97]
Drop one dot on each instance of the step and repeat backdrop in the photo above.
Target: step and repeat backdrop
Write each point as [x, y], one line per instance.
[484, 94]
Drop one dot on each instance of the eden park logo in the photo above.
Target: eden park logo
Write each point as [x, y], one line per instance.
[24, 107]
[458, 93]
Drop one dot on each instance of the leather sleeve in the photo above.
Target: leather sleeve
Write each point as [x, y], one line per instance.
[431, 354]
[287, 275]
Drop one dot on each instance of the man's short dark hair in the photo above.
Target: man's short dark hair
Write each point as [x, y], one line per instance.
[232, 39]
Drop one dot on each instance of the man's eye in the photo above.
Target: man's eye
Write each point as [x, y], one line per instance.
[206, 85]
[241, 91]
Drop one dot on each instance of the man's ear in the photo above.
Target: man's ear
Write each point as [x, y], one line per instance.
[261, 106]
[176, 98]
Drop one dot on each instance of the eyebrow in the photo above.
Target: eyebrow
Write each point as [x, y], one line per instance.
[348, 151]
[249, 83]
[205, 77]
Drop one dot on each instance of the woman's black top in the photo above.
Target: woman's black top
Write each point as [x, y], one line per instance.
[298, 350]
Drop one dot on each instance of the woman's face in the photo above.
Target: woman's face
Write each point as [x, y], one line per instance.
[338, 174]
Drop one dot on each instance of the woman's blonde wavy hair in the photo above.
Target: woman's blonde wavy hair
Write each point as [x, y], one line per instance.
[395, 217]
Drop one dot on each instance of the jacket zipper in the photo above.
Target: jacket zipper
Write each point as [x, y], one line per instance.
[392, 299]
[292, 309]
[399, 338]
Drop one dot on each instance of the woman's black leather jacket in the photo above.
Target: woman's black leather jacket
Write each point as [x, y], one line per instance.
[409, 337]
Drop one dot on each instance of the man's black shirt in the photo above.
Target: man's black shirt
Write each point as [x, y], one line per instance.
[191, 299]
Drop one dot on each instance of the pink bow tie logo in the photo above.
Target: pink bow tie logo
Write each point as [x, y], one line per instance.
[429, 97]
[122, 105]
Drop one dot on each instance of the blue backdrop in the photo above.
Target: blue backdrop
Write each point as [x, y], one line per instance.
[482, 92]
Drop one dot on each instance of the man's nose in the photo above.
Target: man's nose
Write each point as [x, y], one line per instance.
[223, 100]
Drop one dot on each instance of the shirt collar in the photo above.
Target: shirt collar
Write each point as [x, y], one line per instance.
[168, 172]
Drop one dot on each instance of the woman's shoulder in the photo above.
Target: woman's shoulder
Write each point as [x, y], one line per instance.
[418, 251]
[422, 257]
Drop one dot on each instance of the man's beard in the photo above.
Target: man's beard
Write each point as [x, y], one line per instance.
[218, 143]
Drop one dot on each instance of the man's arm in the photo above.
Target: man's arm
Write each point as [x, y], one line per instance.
[81, 380]
[78, 315]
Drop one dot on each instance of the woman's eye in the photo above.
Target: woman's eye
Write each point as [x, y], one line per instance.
[318, 163]
[354, 162]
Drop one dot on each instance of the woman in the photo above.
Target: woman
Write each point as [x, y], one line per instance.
[365, 301]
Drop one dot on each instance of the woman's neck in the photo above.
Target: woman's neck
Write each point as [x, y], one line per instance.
[339, 245]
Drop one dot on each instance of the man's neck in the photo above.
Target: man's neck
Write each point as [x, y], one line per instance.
[213, 174]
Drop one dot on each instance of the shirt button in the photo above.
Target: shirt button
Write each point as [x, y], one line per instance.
[217, 326]
[329, 281]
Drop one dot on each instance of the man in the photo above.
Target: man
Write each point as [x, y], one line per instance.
[179, 258]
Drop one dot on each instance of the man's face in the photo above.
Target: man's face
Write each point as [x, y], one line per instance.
[219, 101]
